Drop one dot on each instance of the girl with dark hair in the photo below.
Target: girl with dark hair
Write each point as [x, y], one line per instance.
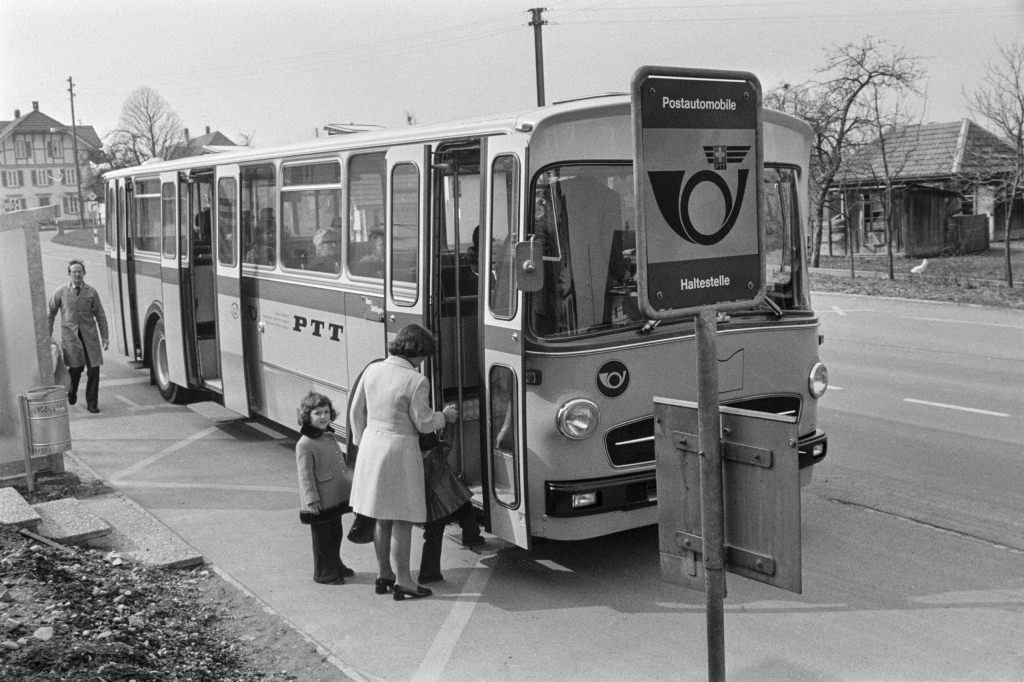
[390, 407]
[324, 486]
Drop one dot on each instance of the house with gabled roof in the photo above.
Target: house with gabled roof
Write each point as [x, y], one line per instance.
[944, 178]
[210, 143]
[38, 165]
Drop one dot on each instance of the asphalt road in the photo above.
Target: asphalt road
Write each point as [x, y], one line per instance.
[925, 412]
[913, 543]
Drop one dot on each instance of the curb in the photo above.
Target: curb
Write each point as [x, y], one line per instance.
[183, 559]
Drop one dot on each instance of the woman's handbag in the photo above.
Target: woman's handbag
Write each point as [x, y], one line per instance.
[445, 493]
[361, 532]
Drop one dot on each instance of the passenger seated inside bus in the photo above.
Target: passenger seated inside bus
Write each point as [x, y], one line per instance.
[327, 243]
[371, 263]
[203, 249]
[262, 249]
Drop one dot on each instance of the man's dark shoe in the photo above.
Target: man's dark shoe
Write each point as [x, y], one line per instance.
[93, 409]
[475, 541]
[430, 578]
[72, 398]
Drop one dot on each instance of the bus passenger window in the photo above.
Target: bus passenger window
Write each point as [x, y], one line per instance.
[310, 208]
[148, 222]
[366, 174]
[259, 195]
[227, 220]
[504, 223]
[405, 228]
[169, 203]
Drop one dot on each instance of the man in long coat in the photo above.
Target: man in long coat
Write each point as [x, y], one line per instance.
[81, 313]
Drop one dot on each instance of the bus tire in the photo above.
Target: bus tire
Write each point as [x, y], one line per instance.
[159, 373]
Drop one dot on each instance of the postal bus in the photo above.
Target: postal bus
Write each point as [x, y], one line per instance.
[258, 274]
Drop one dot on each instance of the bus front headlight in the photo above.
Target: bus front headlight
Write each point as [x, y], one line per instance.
[578, 418]
[817, 382]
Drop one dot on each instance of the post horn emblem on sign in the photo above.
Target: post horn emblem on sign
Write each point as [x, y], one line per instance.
[673, 196]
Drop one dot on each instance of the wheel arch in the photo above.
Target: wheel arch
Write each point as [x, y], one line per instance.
[154, 314]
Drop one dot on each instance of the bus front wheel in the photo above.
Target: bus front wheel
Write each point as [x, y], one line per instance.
[159, 374]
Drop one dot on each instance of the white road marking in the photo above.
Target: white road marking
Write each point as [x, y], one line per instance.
[842, 313]
[125, 382]
[551, 565]
[140, 465]
[981, 324]
[956, 407]
[134, 406]
[130, 403]
[436, 659]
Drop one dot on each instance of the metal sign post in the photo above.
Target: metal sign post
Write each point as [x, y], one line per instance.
[712, 500]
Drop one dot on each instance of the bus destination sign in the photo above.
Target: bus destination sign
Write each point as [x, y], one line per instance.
[697, 176]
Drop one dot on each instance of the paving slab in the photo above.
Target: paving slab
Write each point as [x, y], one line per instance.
[15, 511]
[137, 534]
[68, 522]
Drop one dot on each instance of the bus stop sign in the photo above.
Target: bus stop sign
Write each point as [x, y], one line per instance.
[698, 161]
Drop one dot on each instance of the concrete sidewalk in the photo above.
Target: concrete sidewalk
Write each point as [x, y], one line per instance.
[229, 491]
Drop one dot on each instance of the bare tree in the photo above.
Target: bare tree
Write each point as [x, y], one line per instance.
[147, 128]
[999, 99]
[838, 108]
[248, 139]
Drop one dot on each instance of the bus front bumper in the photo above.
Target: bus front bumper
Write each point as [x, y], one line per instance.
[639, 489]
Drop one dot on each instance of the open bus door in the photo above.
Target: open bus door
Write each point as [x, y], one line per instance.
[126, 244]
[116, 263]
[505, 491]
[173, 264]
[407, 207]
[229, 290]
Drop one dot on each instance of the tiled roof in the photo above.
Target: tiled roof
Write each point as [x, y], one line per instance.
[933, 151]
[196, 146]
[38, 122]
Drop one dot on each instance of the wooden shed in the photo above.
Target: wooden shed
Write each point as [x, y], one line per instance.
[941, 176]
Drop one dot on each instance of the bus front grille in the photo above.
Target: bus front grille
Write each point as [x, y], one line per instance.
[631, 443]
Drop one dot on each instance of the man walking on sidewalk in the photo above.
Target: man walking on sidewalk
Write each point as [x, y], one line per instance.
[80, 314]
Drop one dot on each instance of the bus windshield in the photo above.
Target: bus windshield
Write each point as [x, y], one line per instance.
[582, 215]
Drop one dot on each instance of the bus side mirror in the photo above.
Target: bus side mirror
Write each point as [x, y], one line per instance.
[529, 264]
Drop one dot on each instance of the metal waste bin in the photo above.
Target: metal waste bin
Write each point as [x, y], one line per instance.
[47, 431]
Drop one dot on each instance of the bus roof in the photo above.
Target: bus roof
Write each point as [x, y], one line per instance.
[523, 121]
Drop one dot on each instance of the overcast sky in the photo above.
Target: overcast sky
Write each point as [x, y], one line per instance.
[280, 70]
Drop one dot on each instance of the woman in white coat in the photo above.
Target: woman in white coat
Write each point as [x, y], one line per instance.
[390, 407]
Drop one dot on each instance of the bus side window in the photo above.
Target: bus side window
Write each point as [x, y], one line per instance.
[366, 176]
[502, 423]
[259, 195]
[227, 220]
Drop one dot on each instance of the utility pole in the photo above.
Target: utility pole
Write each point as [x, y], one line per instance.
[74, 143]
[536, 20]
